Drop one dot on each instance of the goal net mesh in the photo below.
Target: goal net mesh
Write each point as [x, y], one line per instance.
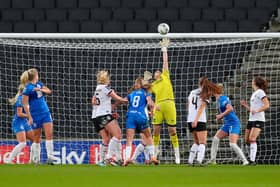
[69, 66]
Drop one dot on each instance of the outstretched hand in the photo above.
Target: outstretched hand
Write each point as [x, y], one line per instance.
[164, 44]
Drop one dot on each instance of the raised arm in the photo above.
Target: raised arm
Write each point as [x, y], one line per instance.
[117, 98]
[164, 45]
[25, 100]
[44, 90]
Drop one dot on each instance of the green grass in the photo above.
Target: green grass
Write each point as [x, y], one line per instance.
[142, 176]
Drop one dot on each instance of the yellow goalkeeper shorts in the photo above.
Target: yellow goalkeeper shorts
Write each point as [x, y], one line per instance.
[166, 114]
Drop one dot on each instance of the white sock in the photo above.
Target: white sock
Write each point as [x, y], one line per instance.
[103, 151]
[192, 154]
[200, 153]
[16, 150]
[36, 152]
[127, 152]
[49, 147]
[177, 155]
[214, 148]
[238, 151]
[253, 151]
[138, 150]
[114, 147]
[150, 151]
[156, 151]
[146, 154]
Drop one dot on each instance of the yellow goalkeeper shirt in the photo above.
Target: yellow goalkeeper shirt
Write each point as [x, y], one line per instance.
[162, 88]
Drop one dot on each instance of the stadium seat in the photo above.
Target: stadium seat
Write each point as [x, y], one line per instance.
[88, 4]
[22, 3]
[221, 4]
[46, 27]
[5, 3]
[249, 26]
[66, 3]
[79, 14]
[213, 14]
[113, 27]
[44, 3]
[226, 26]
[235, 14]
[11, 15]
[203, 26]
[199, 3]
[258, 14]
[6, 27]
[155, 4]
[91, 27]
[244, 3]
[181, 26]
[145, 14]
[152, 26]
[24, 27]
[68, 27]
[56, 14]
[101, 14]
[123, 14]
[192, 14]
[110, 3]
[132, 3]
[168, 14]
[33, 15]
[136, 27]
[177, 4]
[268, 4]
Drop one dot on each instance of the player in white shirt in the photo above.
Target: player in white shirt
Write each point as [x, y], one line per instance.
[104, 122]
[197, 124]
[258, 104]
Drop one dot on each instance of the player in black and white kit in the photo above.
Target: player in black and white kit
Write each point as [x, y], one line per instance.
[197, 124]
[258, 104]
[103, 121]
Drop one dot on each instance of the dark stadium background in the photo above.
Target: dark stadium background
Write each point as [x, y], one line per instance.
[119, 16]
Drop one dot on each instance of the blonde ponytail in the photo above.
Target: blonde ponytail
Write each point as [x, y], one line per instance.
[24, 79]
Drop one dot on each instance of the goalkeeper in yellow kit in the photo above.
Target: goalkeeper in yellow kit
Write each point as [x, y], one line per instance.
[164, 98]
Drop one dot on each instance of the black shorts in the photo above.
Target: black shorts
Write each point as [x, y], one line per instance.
[255, 124]
[201, 126]
[101, 121]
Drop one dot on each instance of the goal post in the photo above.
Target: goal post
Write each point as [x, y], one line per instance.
[68, 63]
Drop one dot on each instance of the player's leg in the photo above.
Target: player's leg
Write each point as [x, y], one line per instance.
[115, 145]
[36, 146]
[140, 148]
[128, 148]
[48, 129]
[21, 138]
[234, 132]
[202, 137]
[233, 138]
[157, 122]
[170, 115]
[254, 134]
[246, 138]
[222, 133]
[104, 146]
[150, 145]
[193, 149]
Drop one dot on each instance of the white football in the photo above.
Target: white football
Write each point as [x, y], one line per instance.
[163, 28]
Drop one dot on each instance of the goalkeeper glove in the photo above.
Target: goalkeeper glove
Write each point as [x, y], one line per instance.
[164, 44]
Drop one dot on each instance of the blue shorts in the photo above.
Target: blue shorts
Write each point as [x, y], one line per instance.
[231, 127]
[137, 121]
[19, 125]
[39, 120]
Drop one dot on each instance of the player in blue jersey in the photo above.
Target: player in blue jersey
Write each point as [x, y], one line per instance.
[38, 114]
[20, 125]
[137, 119]
[231, 125]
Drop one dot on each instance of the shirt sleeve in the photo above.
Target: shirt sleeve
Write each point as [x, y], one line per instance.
[27, 90]
[19, 103]
[225, 102]
[107, 90]
[166, 73]
[261, 94]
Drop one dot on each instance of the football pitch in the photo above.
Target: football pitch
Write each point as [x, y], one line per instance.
[139, 176]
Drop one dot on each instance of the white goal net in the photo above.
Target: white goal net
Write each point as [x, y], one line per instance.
[68, 66]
